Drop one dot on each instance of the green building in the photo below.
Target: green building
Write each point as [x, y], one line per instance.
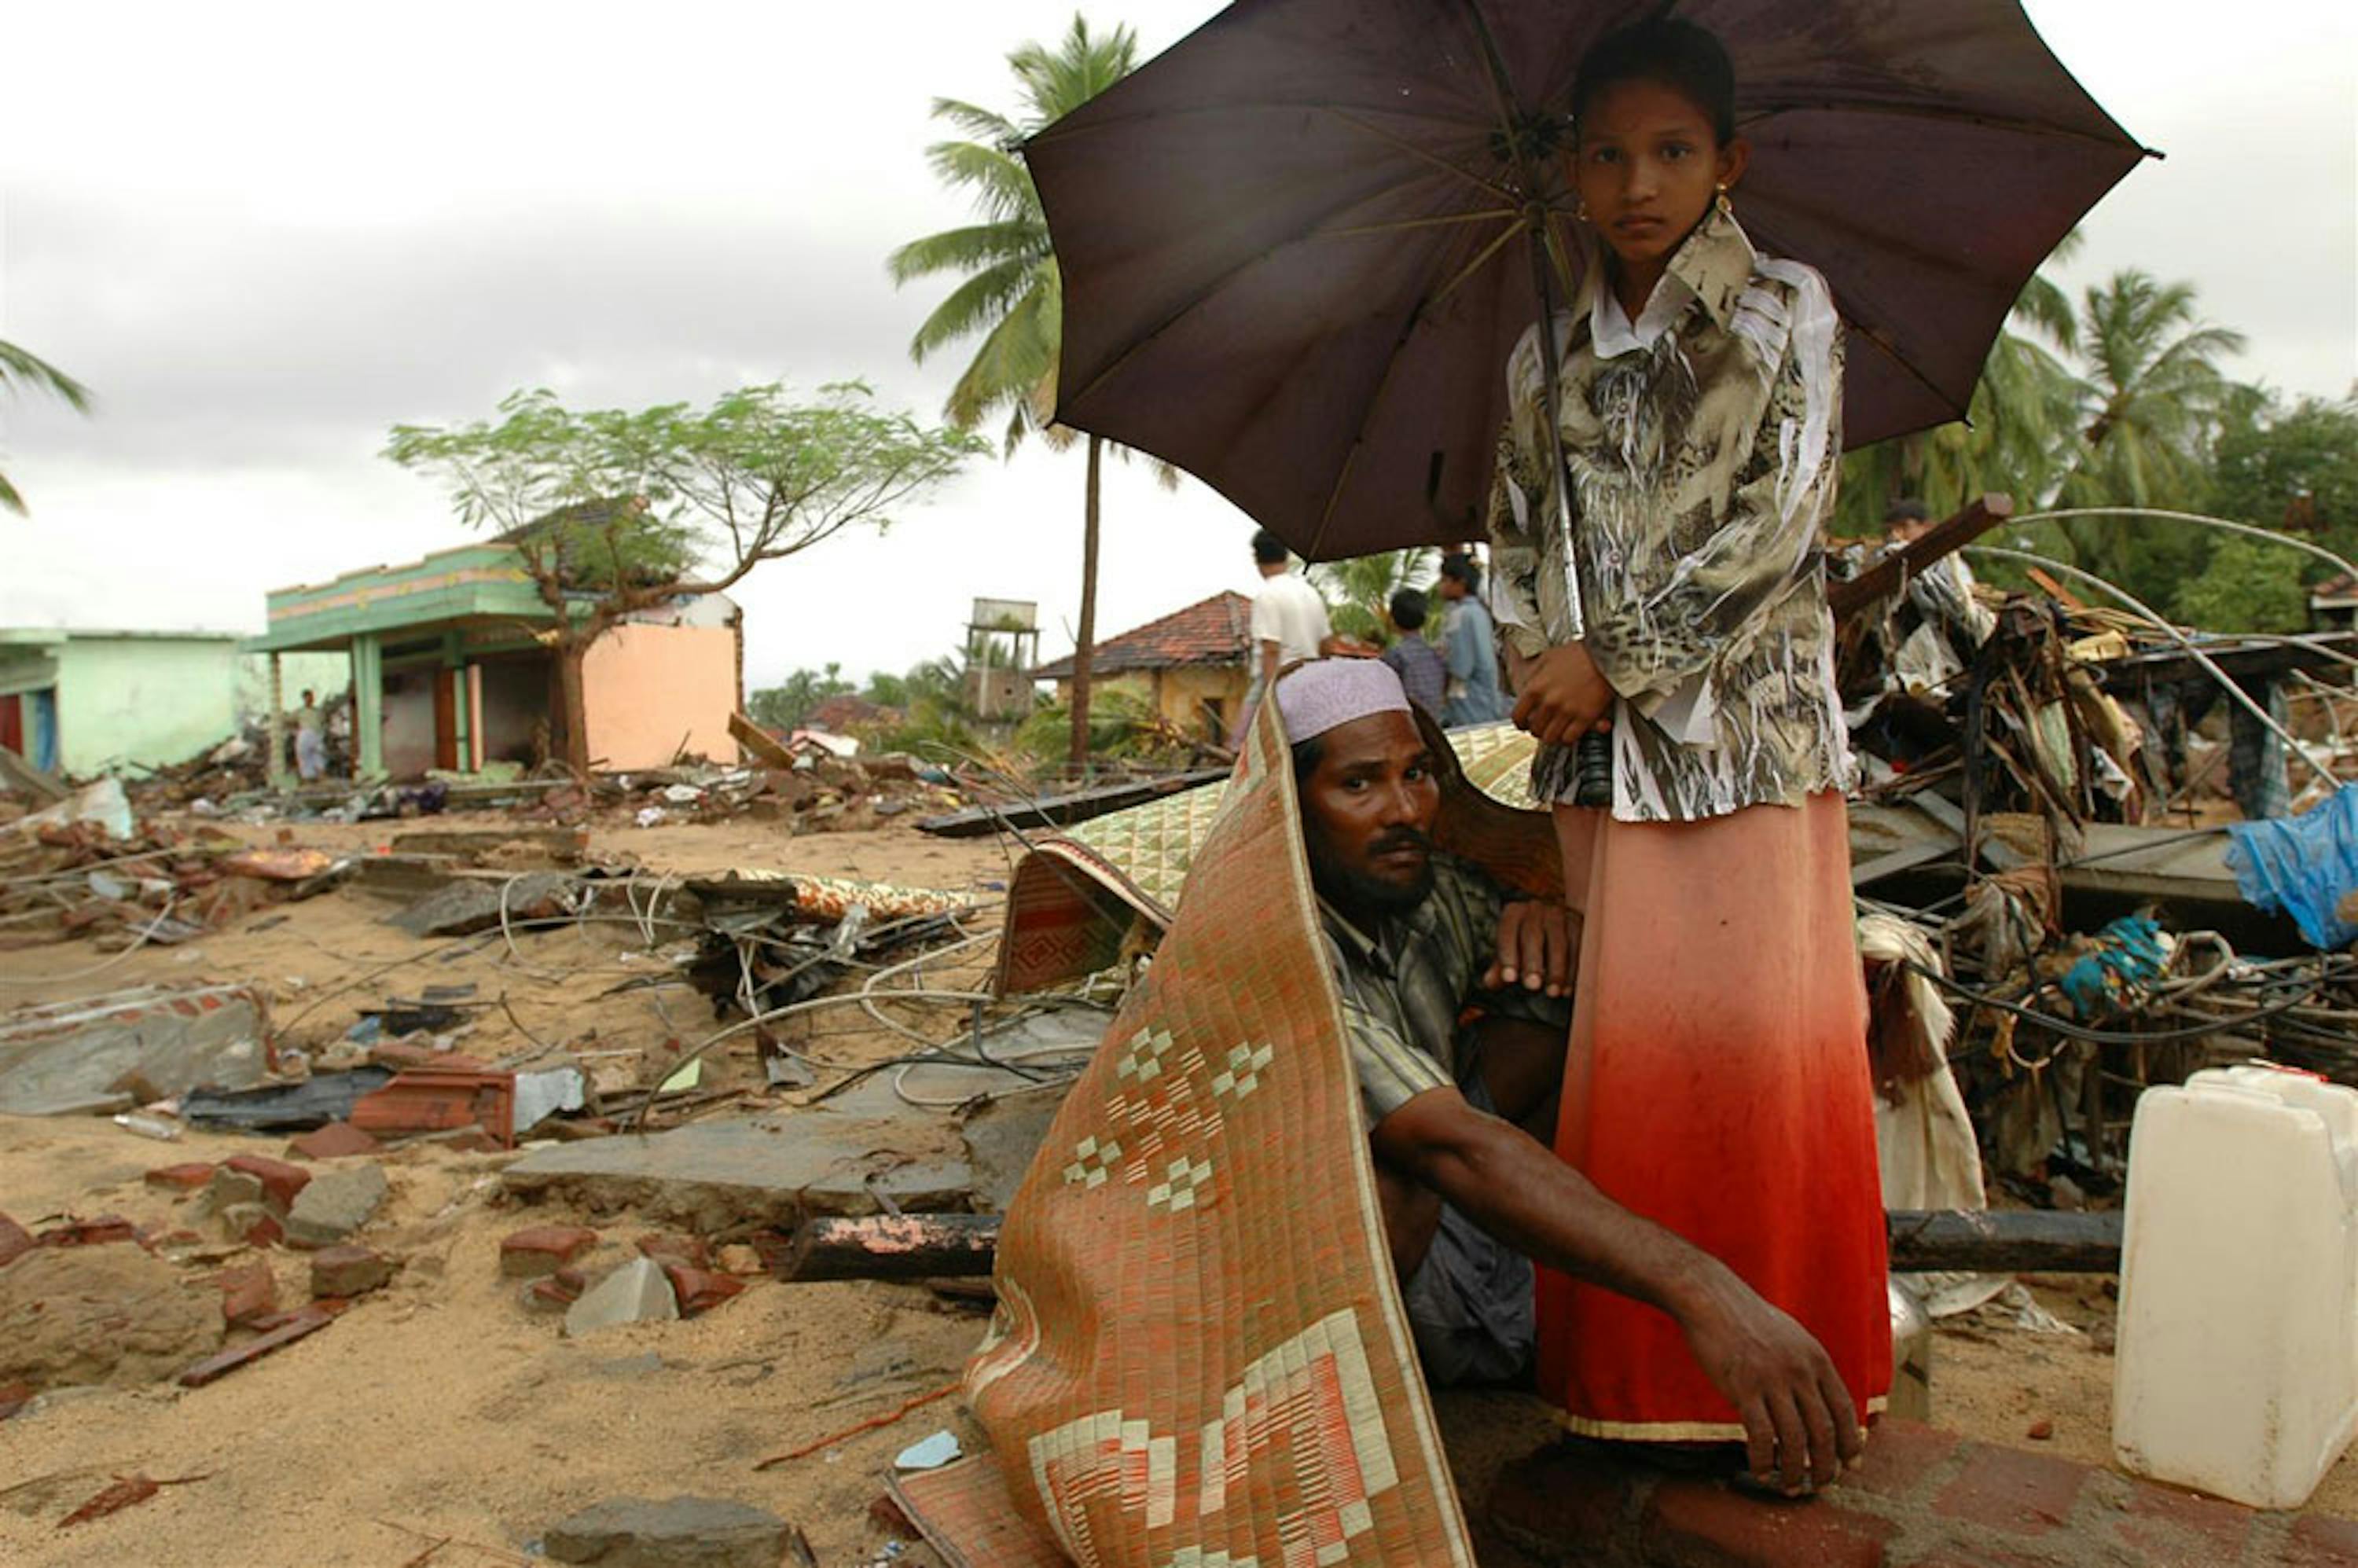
[81, 703]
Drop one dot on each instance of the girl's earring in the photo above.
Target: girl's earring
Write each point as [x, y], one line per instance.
[1726, 208]
[1581, 212]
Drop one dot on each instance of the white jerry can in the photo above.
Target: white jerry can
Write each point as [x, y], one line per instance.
[2237, 1362]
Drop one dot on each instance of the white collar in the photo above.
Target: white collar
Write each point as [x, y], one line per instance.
[1610, 330]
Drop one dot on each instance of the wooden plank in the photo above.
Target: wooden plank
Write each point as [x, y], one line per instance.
[956, 1245]
[759, 741]
[305, 1320]
[26, 779]
[1890, 572]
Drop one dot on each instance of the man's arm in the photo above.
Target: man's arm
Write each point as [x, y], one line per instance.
[1796, 1414]
[1268, 656]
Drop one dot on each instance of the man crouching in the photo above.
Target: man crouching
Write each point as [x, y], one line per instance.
[1457, 1111]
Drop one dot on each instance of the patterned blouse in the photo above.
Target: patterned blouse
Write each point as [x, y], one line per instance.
[1703, 442]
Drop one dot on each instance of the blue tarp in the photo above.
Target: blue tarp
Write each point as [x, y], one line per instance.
[2302, 866]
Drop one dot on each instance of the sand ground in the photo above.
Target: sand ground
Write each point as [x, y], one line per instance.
[438, 1410]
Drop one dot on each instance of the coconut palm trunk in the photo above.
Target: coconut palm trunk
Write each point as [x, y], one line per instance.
[1085, 639]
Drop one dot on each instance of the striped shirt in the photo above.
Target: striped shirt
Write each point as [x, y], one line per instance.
[1405, 987]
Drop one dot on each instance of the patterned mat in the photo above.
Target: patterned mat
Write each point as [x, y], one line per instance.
[1199, 1359]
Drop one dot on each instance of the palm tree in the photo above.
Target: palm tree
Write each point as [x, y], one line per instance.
[2154, 397]
[18, 368]
[1359, 588]
[2018, 429]
[1013, 296]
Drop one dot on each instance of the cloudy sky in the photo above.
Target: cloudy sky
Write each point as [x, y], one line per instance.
[265, 234]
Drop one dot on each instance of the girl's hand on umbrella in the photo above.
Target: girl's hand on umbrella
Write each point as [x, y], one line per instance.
[1563, 696]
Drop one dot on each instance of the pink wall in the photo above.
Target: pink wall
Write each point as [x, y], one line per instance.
[644, 687]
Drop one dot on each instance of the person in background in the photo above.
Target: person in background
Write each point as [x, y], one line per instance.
[1289, 622]
[1418, 662]
[310, 739]
[1468, 648]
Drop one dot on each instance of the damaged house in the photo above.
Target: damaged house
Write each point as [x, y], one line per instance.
[454, 667]
[83, 702]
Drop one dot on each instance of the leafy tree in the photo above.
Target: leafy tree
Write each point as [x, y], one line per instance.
[887, 690]
[787, 704]
[613, 511]
[20, 369]
[1359, 588]
[2294, 468]
[1013, 295]
[2247, 586]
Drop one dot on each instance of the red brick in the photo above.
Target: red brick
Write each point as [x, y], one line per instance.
[14, 1397]
[333, 1142]
[2319, 1542]
[699, 1290]
[247, 1293]
[309, 1320]
[280, 1181]
[1569, 1494]
[14, 1239]
[2005, 1488]
[1901, 1455]
[349, 1270]
[543, 1250]
[687, 1251]
[555, 1292]
[185, 1178]
[96, 1232]
[2220, 1524]
[1706, 1525]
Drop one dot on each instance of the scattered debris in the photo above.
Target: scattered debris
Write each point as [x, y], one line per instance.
[275, 1107]
[638, 1532]
[930, 1453]
[336, 1141]
[126, 1491]
[295, 1326]
[113, 1053]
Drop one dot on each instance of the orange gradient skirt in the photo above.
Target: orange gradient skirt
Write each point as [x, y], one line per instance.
[1718, 1084]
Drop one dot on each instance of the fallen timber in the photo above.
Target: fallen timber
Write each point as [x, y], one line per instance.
[956, 1245]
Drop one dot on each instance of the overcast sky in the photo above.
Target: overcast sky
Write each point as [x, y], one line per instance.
[265, 234]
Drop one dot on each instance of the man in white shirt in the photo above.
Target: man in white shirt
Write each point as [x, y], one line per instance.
[1289, 620]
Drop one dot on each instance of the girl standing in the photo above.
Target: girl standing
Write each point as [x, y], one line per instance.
[1717, 1082]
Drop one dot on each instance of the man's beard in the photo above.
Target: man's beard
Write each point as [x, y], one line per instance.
[1353, 889]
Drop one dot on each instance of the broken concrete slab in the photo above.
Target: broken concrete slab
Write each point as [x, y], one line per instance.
[635, 1293]
[767, 1170]
[71, 1057]
[334, 1204]
[1001, 1137]
[224, 1190]
[674, 1532]
[470, 905]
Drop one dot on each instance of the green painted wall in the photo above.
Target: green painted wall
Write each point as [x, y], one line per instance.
[156, 700]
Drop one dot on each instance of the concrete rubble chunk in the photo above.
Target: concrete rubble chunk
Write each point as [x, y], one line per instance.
[334, 1204]
[469, 906]
[225, 1190]
[248, 1292]
[635, 1293]
[99, 1315]
[349, 1270]
[674, 1532]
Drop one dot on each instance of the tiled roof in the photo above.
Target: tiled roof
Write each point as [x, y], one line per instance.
[2334, 589]
[839, 714]
[1216, 631]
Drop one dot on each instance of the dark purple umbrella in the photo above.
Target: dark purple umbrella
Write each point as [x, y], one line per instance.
[1297, 247]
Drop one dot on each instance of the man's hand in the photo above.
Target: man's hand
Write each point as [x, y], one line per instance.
[1563, 695]
[1538, 944]
[1799, 1425]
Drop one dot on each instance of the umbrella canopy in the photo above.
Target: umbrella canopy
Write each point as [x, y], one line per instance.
[1296, 246]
